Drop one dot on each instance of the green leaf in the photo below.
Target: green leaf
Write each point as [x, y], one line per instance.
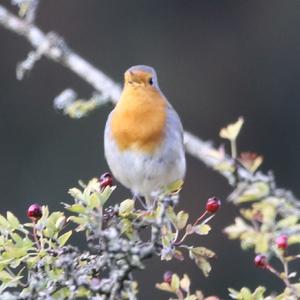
[4, 224]
[54, 219]
[181, 219]
[255, 191]
[233, 293]
[175, 282]
[76, 208]
[76, 193]
[246, 294]
[164, 287]
[64, 238]
[235, 230]
[259, 293]
[262, 243]
[13, 221]
[202, 229]
[14, 252]
[94, 200]
[294, 239]
[32, 261]
[60, 222]
[203, 265]
[232, 130]
[5, 276]
[77, 220]
[174, 187]
[287, 222]
[62, 293]
[104, 196]
[202, 251]
[126, 208]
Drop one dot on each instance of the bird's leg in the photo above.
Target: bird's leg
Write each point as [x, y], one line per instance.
[141, 200]
[150, 202]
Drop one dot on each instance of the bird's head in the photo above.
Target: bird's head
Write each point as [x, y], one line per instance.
[141, 77]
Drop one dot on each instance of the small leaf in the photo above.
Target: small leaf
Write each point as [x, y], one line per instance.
[126, 207]
[77, 220]
[255, 191]
[13, 221]
[288, 221]
[5, 276]
[94, 200]
[202, 229]
[235, 230]
[106, 193]
[174, 187]
[246, 294]
[23, 9]
[175, 282]
[232, 130]
[262, 243]
[294, 239]
[203, 265]
[64, 238]
[181, 219]
[185, 283]
[189, 229]
[59, 224]
[4, 224]
[202, 251]
[164, 287]
[14, 252]
[233, 293]
[191, 297]
[259, 293]
[63, 293]
[76, 193]
[76, 208]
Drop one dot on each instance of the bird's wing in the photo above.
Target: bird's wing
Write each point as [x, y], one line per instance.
[173, 121]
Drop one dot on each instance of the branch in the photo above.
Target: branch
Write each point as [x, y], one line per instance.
[54, 48]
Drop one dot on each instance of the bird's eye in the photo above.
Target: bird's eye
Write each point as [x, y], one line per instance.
[151, 81]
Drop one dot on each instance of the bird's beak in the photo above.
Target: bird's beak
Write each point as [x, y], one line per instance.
[134, 78]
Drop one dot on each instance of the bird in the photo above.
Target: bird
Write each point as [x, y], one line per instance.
[143, 136]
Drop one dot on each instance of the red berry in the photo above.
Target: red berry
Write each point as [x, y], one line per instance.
[260, 261]
[213, 204]
[34, 212]
[282, 242]
[106, 180]
[168, 277]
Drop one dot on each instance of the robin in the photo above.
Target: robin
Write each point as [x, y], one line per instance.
[143, 139]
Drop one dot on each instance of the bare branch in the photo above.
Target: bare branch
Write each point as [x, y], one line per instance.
[56, 49]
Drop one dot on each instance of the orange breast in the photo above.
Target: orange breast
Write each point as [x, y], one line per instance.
[138, 121]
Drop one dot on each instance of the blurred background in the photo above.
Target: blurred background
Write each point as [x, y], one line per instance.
[216, 61]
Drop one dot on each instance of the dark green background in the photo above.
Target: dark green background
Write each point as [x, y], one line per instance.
[216, 60]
